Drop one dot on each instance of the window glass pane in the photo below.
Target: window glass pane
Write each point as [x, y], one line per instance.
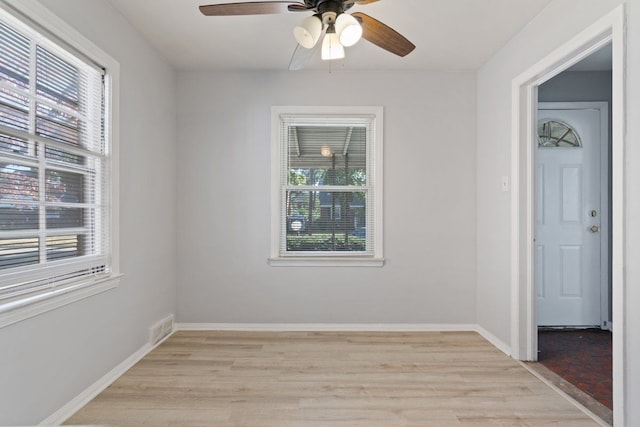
[14, 113]
[63, 156]
[327, 155]
[18, 192]
[14, 145]
[56, 125]
[64, 187]
[18, 217]
[556, 134]
[57, 80]
[14, 110]
[320, 221]
[18, 252]
[59, 247]
[14, 58]
[18, 182]
[65, 217]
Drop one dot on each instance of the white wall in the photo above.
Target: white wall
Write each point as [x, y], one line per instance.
[560, 21]
[47, 360]
[632, 232]
[576, 86]
[224, 198]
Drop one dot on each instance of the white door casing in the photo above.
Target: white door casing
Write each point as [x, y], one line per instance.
[571, 274]
[524, 105]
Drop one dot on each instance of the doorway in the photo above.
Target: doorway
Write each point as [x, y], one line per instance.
[572, 246]
[608, 30]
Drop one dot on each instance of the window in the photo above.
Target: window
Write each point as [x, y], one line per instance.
[326, 186]
[553, 133]
[55, 168]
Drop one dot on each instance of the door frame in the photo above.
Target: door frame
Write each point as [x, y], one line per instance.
[603, 108]
[524, 338]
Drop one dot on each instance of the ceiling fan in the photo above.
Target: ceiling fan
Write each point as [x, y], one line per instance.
[329, 22]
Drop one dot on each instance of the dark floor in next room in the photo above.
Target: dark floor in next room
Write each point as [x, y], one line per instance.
[580, 356]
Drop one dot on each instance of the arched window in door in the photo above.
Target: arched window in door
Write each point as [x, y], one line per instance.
[553, 133]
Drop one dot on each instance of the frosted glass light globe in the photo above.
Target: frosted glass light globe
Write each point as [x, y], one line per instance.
[308, 32]
[348, 29]
[331, 47]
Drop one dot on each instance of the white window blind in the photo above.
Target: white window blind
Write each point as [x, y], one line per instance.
[54, 167]
[327, 186]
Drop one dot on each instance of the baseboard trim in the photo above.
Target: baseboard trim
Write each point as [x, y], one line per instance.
[348, 327]
[326, 327]
[495, 341]
[75, 404]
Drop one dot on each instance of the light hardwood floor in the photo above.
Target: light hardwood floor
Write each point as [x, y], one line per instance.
[329, 379]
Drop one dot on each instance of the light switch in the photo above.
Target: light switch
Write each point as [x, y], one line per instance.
[505, 184]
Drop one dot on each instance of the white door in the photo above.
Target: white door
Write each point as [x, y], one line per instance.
[568, 216]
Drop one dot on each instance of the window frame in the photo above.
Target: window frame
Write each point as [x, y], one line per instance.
[50, 26]
[375, 177]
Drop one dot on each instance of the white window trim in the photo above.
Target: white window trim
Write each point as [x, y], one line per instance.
[337, 260]
[16, 311]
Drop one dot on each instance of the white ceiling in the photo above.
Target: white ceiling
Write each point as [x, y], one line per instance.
[450, 35]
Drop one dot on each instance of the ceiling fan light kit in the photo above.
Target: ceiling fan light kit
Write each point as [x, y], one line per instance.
[329, 21]
[343, 30]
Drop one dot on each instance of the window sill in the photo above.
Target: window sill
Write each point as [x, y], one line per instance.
[326, 262]
[16, 311]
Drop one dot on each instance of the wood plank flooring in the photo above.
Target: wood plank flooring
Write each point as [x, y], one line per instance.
[198, 379]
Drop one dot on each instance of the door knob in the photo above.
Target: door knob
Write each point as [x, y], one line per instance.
[594, 229]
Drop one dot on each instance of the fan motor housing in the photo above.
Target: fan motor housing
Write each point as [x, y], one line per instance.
[337, 6]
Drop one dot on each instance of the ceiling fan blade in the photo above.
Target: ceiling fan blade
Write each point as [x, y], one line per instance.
[301, 56]
[297, 7]
[383, 36]
[347, 4]
[250, 8]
